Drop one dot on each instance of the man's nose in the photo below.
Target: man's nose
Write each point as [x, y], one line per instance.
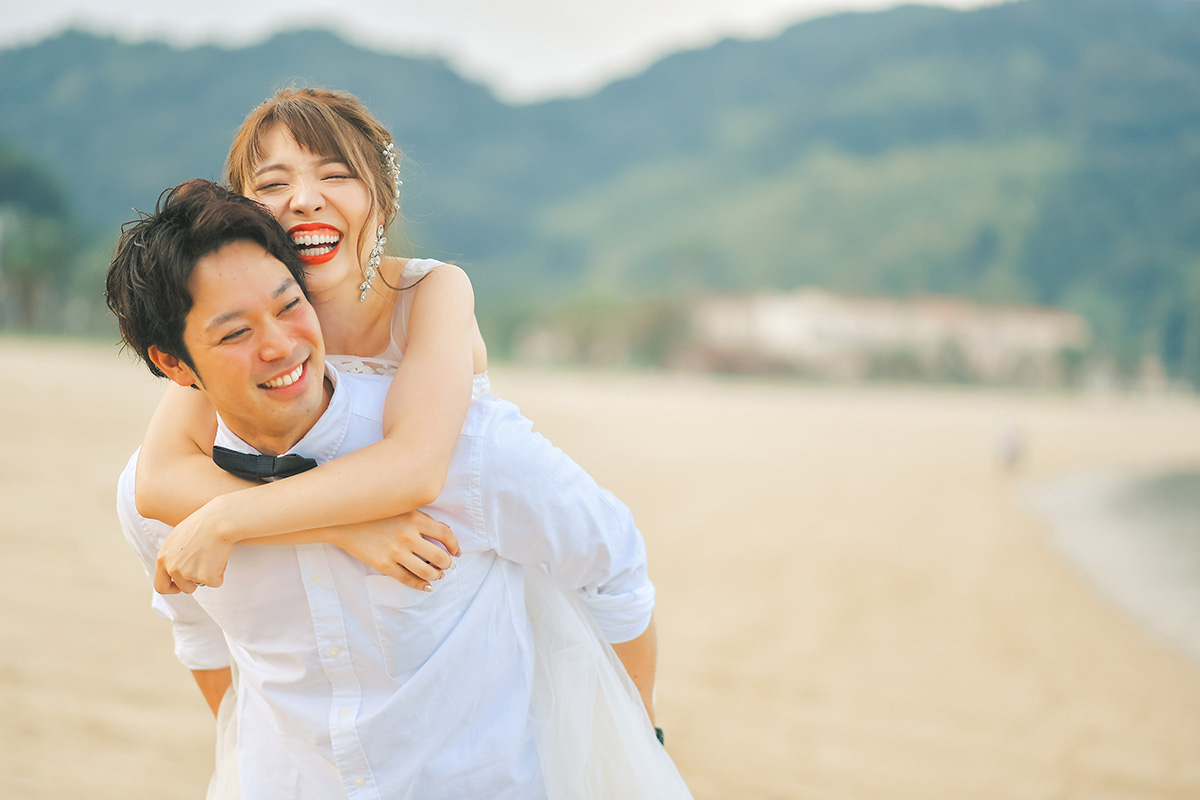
[275, 342]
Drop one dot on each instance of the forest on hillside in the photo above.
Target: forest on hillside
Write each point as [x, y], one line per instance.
[1036, 152]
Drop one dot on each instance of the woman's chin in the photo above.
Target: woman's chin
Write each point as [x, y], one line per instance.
[330, 277]
[334, 277]
[322, 286]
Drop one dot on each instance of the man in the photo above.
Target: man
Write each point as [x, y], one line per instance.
[352, 684]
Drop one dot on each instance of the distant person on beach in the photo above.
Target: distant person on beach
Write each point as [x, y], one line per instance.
[351, 683]
[1008, 447]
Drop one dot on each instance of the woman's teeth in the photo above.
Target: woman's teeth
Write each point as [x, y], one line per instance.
[284, 380]
[316, 244]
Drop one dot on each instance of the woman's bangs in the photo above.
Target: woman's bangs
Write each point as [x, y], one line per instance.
[318, 132]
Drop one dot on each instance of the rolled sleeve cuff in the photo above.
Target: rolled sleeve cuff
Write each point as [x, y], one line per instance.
[621, 617]
[199, 644]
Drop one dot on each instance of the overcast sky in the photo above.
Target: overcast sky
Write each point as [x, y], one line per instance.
[526, 49]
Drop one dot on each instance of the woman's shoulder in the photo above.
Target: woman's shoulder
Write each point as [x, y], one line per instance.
[451, 282]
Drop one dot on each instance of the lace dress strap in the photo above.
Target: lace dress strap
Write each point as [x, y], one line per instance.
[418, 268]
[361, 365]
[389, 360]
[414, 270]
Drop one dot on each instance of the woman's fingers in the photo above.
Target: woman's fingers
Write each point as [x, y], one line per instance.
[170, 578]
[403, 575]
[432, 554]
[419, 564]
[184, 585]
[432, 529]
[163, 584]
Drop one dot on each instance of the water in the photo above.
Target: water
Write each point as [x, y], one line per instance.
[1137, 538]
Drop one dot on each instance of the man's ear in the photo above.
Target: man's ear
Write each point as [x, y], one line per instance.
[172, 367]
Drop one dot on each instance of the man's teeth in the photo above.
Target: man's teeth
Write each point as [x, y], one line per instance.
[284, 380]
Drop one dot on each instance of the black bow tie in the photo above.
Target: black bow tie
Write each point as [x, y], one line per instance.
[255, 467]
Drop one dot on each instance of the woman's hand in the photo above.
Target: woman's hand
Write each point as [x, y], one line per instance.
[194, 553]
[413, 548]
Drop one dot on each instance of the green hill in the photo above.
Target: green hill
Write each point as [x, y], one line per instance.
[1044, 151]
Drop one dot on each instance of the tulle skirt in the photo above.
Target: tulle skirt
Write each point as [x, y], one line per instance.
[594, 737]
[224, 782]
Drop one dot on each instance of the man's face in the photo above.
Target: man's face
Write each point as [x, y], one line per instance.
[256, 345]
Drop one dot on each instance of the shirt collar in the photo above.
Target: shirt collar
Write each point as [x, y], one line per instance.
[324, 439]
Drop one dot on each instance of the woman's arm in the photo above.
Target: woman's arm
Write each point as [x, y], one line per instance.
[175, 474]
[424, 411]
[385, 545]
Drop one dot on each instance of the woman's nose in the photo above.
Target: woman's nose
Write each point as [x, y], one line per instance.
[307, 197]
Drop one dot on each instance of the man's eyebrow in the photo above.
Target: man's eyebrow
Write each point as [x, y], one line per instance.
[221, 319]
[286, 284]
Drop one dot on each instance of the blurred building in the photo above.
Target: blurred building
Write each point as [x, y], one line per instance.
[824, 334]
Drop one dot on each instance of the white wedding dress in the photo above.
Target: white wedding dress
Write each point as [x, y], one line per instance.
[594, 737]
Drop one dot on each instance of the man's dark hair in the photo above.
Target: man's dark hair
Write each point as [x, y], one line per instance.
[147, 286]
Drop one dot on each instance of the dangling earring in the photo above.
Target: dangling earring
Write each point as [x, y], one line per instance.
[373, 264]
[393, 165]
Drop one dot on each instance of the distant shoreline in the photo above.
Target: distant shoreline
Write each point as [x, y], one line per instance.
[1135, 535]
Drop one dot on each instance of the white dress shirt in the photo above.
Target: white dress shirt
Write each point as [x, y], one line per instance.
[354, 685]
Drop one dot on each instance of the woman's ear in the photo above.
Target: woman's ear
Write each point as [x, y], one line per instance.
[174, 368]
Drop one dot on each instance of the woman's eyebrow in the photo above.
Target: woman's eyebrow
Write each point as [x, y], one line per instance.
[283, 167]
[268, 168]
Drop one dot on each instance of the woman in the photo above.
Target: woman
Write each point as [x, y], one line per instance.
[329, 173]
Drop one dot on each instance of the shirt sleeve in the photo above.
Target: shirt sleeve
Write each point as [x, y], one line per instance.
[541, 508]
[199, 641]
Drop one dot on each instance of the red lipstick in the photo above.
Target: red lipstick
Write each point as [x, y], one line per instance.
[316, 253]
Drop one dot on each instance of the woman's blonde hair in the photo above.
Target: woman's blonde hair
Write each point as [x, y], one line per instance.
[326, 123]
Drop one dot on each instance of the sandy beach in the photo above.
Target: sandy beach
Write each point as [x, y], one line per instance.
[854, 601]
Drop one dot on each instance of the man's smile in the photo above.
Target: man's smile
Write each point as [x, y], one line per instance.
[285, 379]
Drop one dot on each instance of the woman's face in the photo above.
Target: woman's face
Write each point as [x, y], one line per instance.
[323, 207]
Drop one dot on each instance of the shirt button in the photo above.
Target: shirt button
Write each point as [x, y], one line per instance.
[316, 578]
[333, 652]
[358, 781]
[345, 712]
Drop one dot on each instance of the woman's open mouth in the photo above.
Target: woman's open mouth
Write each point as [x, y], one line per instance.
[315, 243]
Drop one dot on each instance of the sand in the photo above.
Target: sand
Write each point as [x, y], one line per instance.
[853, 600]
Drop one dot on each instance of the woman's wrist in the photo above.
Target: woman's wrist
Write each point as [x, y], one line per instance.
[336, 536]
[220, 520]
